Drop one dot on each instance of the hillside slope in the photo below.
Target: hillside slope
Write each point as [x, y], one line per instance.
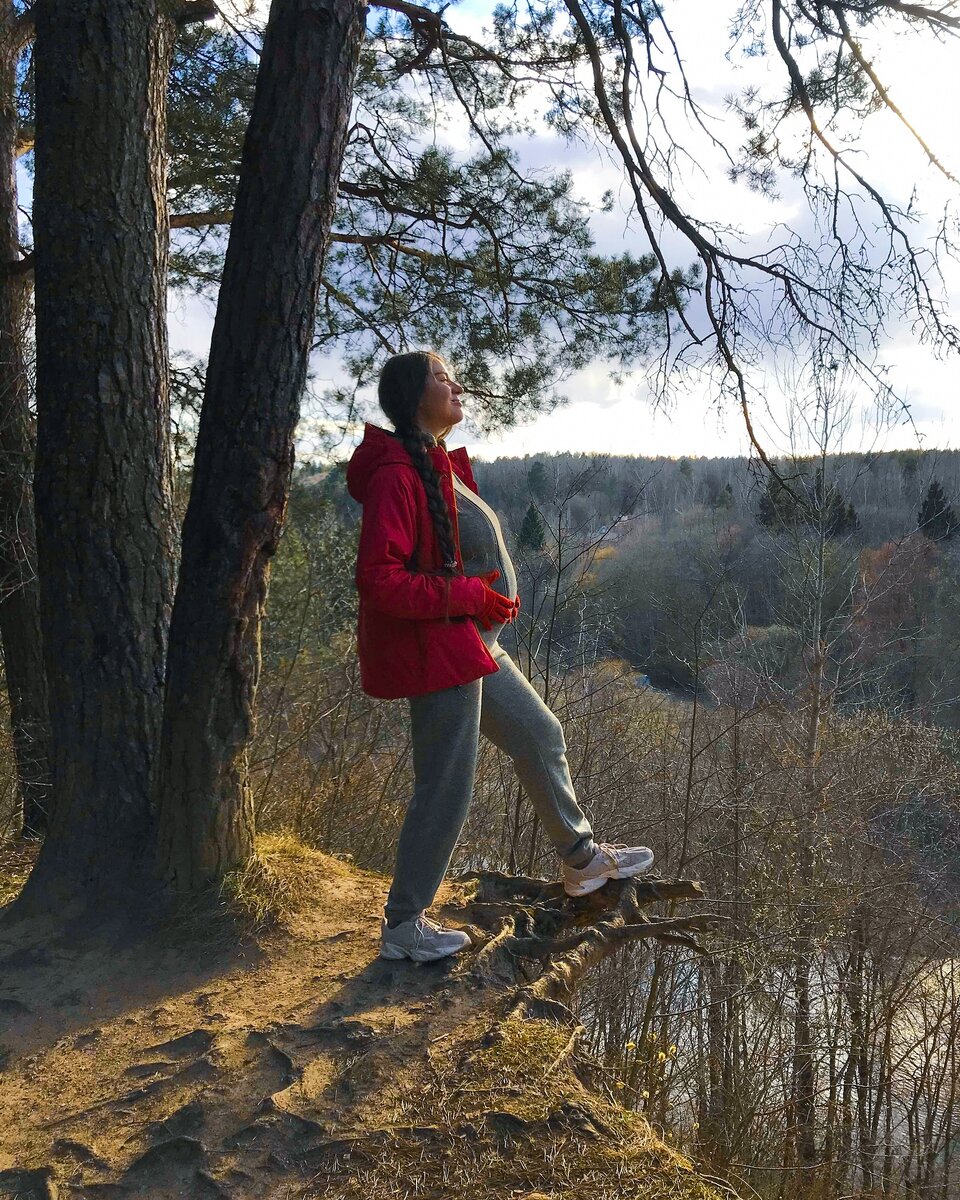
[301, 1065]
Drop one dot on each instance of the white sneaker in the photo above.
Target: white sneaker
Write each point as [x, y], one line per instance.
[421, 939]
[613, 860]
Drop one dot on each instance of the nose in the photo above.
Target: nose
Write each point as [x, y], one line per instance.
[456, 388]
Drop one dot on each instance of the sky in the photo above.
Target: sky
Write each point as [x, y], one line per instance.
[605, 418]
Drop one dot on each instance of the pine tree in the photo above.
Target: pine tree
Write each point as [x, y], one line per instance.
[532, 534]
[778, 508]
[149, 785]
[837, 516]
[824, 505]
[937, 518]
[537, 481]
[840, 518]
[725, 499]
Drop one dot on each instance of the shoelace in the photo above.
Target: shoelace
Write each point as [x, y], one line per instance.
[425, 920]
[608, 850]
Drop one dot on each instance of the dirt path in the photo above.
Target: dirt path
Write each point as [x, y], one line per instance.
[304, 1066]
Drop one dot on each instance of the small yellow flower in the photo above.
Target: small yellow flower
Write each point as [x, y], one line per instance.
[651, 1036]
[645, 1095]
[620, 1083]
[661, 1057]
[672, 1050]
[696, 1124]
[631, 1045]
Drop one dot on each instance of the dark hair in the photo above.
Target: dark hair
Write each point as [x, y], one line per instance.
[402, 380]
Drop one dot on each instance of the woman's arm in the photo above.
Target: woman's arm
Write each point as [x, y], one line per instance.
[387, 544]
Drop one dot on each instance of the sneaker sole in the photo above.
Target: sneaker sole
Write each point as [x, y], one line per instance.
[397, 952]
[594, 885]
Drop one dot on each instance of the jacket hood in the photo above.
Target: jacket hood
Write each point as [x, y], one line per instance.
[379, 449]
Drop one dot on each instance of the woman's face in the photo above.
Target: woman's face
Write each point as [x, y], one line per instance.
[440, 408]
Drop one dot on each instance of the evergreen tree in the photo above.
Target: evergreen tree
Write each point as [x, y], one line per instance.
[937, 518]
[532, 534]
[909, 461]
[105, 565]
[150, 718]
[537, 481]
[501, 261]
[838, 517]
[778, 508]
[824, 505]
[725, 499]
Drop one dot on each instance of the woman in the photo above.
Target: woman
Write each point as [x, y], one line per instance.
[436, 587]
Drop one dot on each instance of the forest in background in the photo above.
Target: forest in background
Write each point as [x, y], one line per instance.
[696, 571]
[701, 571]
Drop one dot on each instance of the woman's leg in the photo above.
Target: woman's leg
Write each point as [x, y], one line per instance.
[514, 718]
[445, 730]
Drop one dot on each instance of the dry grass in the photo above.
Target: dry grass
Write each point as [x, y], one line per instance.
[16, 863]
[514, 1169]
[278, 882]
[270, 887]
[273, 884]
[504, 1121]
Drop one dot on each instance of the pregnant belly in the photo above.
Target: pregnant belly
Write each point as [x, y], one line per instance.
[483, 549]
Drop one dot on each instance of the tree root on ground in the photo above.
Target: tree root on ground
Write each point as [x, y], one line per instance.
[533, 935]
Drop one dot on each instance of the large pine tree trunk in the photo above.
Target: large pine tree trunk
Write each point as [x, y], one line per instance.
[102, 476]
[19, 591]
[244, 457]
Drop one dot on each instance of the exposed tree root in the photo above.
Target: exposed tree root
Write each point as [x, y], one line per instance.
[546, 941]
[533, 935]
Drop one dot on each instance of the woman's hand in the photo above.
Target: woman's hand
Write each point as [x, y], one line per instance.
[497, 609]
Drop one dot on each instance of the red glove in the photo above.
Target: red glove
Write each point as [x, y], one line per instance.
[516, 607]
[497, 609]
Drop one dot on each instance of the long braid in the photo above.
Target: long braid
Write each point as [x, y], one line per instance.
[412, 440]
[402, 380]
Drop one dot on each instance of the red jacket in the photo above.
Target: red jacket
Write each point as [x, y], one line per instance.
[415, 632]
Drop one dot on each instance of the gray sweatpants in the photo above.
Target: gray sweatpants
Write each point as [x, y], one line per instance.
[445, 727]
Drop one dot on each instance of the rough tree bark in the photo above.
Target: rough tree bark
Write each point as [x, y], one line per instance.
[102, 475]
[19, 590]
[244, 457]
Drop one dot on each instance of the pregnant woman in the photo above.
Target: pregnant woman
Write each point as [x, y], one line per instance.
[436, 587]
